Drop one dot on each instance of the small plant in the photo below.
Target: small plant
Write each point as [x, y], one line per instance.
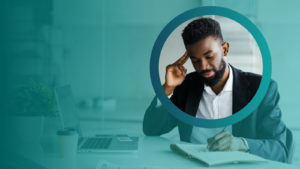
[34, 98]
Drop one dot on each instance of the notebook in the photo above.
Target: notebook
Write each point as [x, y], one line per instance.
[212, 158]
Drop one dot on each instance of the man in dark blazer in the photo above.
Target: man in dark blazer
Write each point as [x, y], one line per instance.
[262, 133]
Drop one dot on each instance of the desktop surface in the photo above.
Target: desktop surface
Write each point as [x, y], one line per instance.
[153, 152]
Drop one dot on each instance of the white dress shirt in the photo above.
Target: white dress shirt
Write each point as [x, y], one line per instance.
[213, 106]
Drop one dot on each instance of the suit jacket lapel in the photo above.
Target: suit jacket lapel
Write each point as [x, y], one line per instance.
[240, 92]
[194, 96]
[240, 95]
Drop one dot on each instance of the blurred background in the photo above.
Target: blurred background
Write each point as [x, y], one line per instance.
[243, 53]
[102, 49]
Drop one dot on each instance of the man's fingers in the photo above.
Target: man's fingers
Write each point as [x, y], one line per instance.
[222, 144]
[183, 59]
[216, 139]
[209, 140]
[223, 147]
[178, 71]
[183, 70]
[221, 134]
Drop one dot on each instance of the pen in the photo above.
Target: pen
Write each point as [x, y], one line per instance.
[225, 128]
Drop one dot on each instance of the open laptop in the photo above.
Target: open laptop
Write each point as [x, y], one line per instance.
[97, 143]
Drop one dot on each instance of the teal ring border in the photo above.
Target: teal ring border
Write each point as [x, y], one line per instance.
[197, 12]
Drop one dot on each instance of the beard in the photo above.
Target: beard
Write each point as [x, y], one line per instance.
[218, 75]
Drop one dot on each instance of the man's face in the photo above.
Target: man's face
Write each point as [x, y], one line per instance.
[207, 57]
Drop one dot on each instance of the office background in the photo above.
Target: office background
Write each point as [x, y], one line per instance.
[102, 49]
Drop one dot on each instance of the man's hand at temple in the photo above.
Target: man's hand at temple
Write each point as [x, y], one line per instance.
[175, 74]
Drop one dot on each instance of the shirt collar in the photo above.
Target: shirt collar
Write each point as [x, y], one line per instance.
[227, 87]
[229, 83]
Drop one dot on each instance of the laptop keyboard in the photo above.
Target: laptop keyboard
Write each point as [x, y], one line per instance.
[97, 143]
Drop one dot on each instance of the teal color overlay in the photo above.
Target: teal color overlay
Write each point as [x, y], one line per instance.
[102, 48]
[244, 21]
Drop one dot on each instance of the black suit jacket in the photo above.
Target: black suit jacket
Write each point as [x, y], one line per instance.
[187, 96]
[266, 134]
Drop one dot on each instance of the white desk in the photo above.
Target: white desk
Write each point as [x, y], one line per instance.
[153, 151]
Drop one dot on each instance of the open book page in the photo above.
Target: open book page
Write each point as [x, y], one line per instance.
[200, 152]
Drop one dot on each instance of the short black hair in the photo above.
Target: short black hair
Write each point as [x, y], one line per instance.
[200, 29]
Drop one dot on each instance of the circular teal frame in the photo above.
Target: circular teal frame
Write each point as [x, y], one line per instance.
[266, 58]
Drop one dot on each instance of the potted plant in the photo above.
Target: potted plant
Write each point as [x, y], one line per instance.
[31, 102]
